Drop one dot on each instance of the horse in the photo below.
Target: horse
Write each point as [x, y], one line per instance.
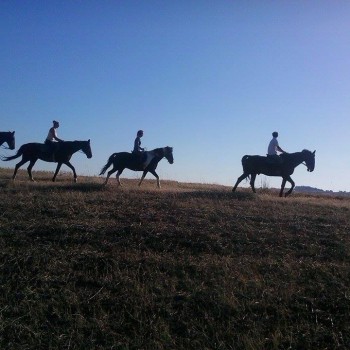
[123, 160]
[31, 152]
[253, 165]
[9, 138]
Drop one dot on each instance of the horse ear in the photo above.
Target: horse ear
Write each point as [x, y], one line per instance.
[89, 140]
[314, 152]
[13, 133]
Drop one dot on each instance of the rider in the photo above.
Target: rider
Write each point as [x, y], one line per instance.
[138, 150]
[273, 148]
[52, 139]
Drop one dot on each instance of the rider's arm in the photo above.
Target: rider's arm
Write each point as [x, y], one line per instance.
[55, 136]
[279, 149]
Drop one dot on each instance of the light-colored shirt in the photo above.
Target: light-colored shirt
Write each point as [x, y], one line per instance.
[272, 149]
[51, 136]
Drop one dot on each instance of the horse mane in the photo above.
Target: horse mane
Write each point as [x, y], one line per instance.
[70, 142]
[286, 154]
[158, 152]
[161, 151]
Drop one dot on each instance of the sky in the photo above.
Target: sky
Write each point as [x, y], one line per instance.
[212, 79]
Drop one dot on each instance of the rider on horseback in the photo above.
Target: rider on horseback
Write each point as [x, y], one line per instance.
[138, 151]
[52, 140]
[273, 148]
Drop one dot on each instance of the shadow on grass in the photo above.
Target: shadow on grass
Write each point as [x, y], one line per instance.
[243, 196]
[45, 187]
[82, 187]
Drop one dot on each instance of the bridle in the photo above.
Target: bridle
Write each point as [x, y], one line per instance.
[4, 147]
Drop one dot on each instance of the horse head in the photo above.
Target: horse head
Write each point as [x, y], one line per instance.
[86, 148]
[168, 154]
[10, 139]
[309, 159]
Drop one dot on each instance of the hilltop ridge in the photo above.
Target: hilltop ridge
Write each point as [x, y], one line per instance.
[309, 189]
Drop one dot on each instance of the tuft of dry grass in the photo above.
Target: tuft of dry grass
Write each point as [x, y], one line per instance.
[190, 266]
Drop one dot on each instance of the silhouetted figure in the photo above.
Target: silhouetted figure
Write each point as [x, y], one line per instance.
[52, 140]
[272, 150]
[138, 151]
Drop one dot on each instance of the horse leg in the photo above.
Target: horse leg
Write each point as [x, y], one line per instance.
[252, 182]
[289, 179]
[117, 177]
[109, 174]
[282, 186]
[18, 165]
[153, 172]
[56, 172]
[143, 176]
[30, 166]
[69, 165]
[242, 177]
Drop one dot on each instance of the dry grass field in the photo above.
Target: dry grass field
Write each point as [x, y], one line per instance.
[189, 266]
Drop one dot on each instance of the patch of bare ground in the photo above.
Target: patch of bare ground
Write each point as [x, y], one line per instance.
[190, 266]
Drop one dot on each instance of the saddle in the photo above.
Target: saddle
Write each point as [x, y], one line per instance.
[143, 159]
[49, 150]
[275, 160]
[139, 157]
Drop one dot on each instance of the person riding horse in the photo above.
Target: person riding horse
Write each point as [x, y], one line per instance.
[31, 152]
[273, 148]
[125, 160]
[138, 151]
[256, 165]
[52, 140]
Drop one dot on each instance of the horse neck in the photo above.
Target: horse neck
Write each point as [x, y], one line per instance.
[297, 158]
[159, 152]
[73, 146]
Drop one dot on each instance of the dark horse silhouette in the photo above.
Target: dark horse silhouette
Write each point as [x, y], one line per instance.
[31, 152]
[8, 137]
[123, 160]
[254, 165]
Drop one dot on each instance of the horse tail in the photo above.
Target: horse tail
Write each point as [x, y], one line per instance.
[109, 162]
[18, 154]
[245, 160]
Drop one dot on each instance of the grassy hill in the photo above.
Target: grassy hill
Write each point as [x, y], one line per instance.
[189, 266]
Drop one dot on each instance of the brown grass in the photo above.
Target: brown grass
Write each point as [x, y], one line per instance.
[189, 266]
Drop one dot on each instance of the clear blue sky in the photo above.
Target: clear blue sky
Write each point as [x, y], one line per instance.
[212, 79]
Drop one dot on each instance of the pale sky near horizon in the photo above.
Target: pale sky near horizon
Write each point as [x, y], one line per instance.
[212, 79]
